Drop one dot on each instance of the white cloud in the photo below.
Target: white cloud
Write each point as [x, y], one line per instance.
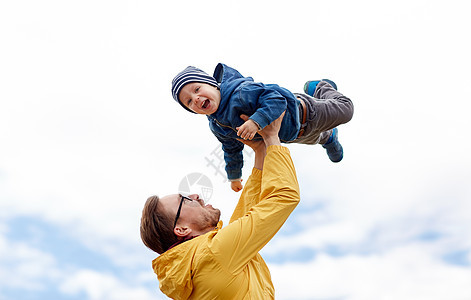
[101, 286]
[408, 272]
[24, 267]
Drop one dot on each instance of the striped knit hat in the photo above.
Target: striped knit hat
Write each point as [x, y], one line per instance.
[189, 75]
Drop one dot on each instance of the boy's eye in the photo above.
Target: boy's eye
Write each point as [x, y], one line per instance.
[197, 89]
[188, 102]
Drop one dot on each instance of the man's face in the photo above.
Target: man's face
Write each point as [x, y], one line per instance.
[202, 98]
[194, 214]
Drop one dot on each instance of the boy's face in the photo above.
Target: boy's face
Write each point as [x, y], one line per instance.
[202, 98]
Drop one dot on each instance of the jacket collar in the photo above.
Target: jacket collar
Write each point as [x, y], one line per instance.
[187, 238]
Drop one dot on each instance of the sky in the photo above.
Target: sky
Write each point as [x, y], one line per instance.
[89, 130]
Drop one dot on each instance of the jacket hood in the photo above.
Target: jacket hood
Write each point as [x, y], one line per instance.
[229, 80]
[174, 266]
[173, 269]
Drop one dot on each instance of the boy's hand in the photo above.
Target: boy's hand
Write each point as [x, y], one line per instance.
[247, 130]
[236, 186]
[270, 132]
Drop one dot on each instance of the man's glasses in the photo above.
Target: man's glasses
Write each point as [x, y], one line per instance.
[183, 198]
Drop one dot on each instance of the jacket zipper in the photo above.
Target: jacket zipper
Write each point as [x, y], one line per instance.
[219, 123]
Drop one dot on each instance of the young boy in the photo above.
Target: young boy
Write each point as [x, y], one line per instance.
[310, 118]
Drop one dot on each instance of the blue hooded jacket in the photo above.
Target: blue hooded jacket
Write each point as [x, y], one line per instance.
[264, 103]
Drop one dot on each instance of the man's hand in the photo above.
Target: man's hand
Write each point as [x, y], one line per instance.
[236, 185]
[247, 130]
[256, 145]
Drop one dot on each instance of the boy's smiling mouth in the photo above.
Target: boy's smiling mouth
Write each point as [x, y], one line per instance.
[205, 104]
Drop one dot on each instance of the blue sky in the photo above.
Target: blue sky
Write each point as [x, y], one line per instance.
[89, 130]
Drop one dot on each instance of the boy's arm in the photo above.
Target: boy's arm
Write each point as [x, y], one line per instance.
[269, 106]
[233, 156]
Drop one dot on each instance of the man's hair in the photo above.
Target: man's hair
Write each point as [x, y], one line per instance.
[156, 226]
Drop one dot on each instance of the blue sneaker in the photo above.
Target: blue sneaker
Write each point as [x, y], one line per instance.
[333, 147]
[310, 86]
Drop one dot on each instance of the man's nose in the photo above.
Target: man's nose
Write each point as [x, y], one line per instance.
[197, 198]
[194, 196]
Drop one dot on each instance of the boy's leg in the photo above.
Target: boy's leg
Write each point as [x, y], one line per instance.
[333, 147]
[331, 108]
[310, 86]
[326, 110]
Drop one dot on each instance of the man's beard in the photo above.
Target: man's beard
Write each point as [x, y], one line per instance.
[213, 219]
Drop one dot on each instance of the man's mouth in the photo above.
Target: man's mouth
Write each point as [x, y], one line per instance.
[205, 104]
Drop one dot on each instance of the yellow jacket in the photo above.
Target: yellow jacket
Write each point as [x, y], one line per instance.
[225, 263]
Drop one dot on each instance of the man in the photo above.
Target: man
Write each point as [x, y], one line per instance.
[200, 259]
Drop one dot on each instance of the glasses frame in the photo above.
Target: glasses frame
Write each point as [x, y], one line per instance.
[183, 198]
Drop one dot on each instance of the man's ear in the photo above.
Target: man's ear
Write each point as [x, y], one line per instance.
[182, 231]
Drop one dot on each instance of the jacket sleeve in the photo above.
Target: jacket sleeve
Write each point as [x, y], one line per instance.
[236, 244]
[250, 195]
[233, 156]
[269, 105]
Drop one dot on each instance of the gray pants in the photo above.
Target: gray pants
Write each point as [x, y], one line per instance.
[325, 111]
